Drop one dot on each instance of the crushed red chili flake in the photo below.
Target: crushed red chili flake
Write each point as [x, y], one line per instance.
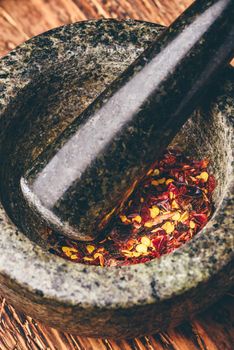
[169, 206]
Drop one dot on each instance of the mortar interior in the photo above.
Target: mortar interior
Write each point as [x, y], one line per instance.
[57, 95]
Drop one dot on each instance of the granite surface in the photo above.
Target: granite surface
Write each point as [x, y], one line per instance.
[84, 177]
[44, 84]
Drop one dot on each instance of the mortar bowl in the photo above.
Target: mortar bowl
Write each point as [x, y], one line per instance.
[44, 84]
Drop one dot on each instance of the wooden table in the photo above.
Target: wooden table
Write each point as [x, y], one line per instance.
[211, 330]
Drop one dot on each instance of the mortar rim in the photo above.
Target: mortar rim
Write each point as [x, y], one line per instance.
[141, 273]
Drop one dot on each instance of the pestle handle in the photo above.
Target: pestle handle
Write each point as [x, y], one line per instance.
[77, 183]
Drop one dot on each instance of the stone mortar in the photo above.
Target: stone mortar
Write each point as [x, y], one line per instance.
[44, 85]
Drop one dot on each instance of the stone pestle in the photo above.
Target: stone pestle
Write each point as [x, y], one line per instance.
[81, 180]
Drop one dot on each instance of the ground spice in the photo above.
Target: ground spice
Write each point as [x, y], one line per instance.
[170, 205]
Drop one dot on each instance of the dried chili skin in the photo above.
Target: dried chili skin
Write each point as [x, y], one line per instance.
[171, 204]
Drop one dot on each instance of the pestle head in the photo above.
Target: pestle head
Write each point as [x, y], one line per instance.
[79, 181]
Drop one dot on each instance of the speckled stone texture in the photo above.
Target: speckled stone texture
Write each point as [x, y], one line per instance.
[44, 84]
[82, 179]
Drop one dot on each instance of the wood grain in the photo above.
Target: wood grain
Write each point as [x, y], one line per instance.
[22, 19]
[211, 330]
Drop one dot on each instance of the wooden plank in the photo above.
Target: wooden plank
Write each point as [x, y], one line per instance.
[36, 16]
[211, 330]
[149, 10]
[21, 19]
[10, 35]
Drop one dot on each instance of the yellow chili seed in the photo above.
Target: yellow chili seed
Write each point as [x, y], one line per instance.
[156, 172]
[146, 241]
[176, 216]
[142, 200]
[192, 224]
[184, 216]
[154, 211]
[154, 183]
[66, 251]
[136, 254]
[90, 248]
[168, 227]
[171, 195]
[137, 219]
[69, 251]
[124, 219]
[141, 248]
[169, 181]
[73, 257]
[127, 253]
[97, 255]
[148, 224]
[174, 205]
[161, 181]
[203, 176]
[86, 258]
